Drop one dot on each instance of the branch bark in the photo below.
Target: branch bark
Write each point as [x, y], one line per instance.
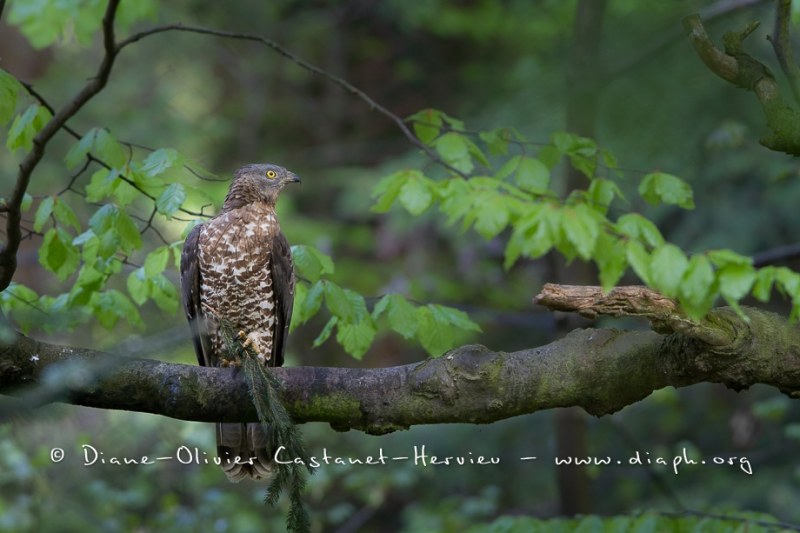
[782, 45]
[601, 370]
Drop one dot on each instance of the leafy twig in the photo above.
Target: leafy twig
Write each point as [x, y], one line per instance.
[8, 252]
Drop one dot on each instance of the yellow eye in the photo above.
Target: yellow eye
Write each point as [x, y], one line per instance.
[271, 174]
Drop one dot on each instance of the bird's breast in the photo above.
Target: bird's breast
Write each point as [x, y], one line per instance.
[234, 261]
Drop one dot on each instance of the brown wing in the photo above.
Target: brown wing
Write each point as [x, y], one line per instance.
[190, 293]
[283, 285]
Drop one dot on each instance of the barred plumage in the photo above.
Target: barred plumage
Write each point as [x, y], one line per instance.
[237, 269]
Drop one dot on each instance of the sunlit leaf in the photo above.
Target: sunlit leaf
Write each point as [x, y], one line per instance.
[156, 261]
[169, 201]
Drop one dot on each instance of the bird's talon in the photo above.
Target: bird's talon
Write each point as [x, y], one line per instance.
[225, 363]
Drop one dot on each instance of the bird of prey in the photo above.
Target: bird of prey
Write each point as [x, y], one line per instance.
[236, 270]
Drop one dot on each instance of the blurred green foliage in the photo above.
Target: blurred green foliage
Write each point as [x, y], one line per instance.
[396, 247]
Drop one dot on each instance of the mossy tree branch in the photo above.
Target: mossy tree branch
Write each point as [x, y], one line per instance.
[737, 67]
[601, 370]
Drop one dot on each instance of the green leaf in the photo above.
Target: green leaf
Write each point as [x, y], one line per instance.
[356, 338]
[659, 187]
[439, 326]
[533, 234]
[532, 175]
[609, 254]
[171, 199]
[310, 303]
[788, 281]
[454, 317]
[639, 260]
[115, 229]
[164, 293]
[582, 151]
[130, 238]
[9, 91]
[456, 199]
[636, 226]
[667, 266]
[57, 253]
[26, 126]
[427, 124]
[415, 194]
[387, 189]
[103, 219]
[602, 192]
[125, 193]
[156, 261]
[454, 148]
[138, 287]
[102, 184]
[326, 331]
[338, 302]
[89, 282]
[549, 155]
[492, 216]
[697, 289]
[435, 337]
[508, 168]
[78, 151]
[111, 305]
[735, 281]
[581, 228]
[109, 150]
[311, 264]
[476, 153]
[401, 314]
[65, 215]
[762, 287]
[43, 213]
[160, 161]
[725, 257]
[496, 140]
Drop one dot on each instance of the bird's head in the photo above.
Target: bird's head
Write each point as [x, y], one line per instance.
[258, 183]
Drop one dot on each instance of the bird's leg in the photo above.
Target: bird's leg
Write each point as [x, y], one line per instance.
[249, 340]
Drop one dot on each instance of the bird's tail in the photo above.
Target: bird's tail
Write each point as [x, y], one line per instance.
[244, 451]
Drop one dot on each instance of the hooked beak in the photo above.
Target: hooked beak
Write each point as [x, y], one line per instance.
[292, 178]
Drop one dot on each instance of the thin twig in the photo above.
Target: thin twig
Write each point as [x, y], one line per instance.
[674, 34]
[352, 89]
[75, 176]
[776, 255]
[782, 44]
[32, 91]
